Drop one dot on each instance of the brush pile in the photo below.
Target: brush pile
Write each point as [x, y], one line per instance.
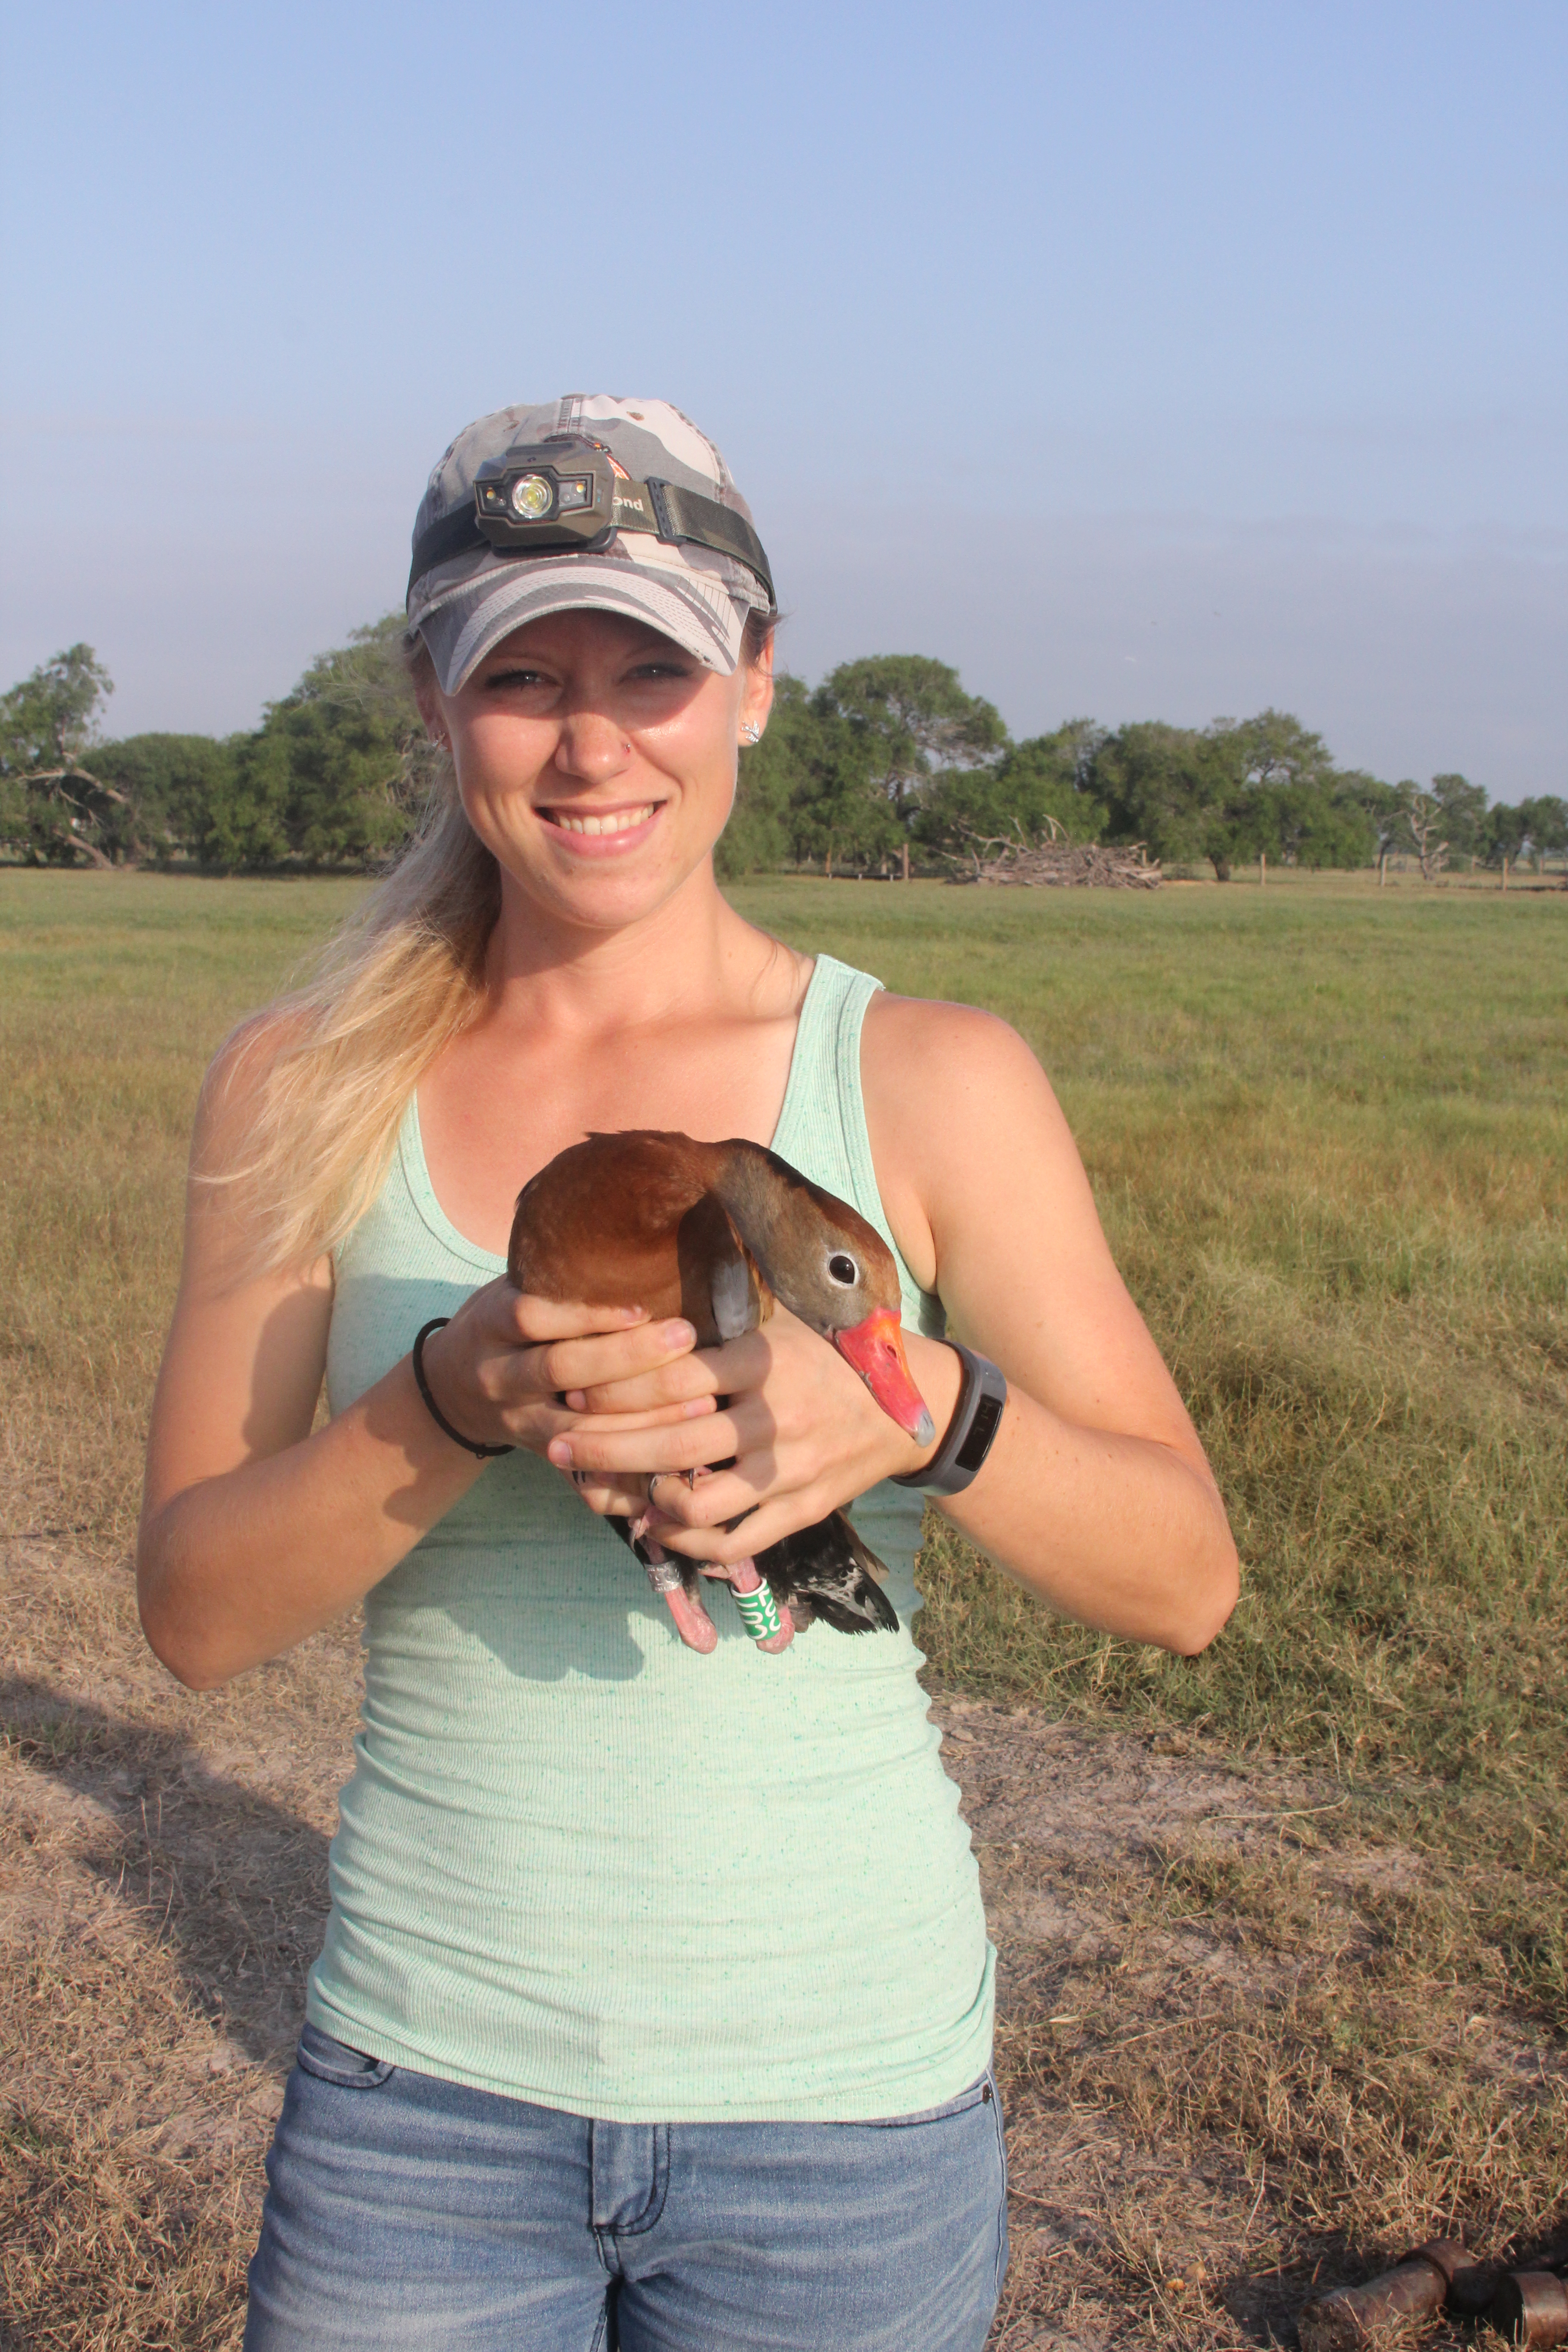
[1061, 864]
[1069, 864]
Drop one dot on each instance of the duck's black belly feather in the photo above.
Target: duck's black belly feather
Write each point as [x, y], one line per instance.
[821, 1572]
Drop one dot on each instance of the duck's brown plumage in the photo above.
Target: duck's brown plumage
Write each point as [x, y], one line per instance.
[715, 1232]
[632, 1220]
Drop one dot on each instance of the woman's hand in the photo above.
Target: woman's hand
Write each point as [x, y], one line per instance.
[498, 1368]
[796, 1431]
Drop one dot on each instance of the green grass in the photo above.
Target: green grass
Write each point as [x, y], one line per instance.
[114, 990]
[1326, 1128]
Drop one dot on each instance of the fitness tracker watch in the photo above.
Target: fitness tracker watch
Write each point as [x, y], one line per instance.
[976, 1418]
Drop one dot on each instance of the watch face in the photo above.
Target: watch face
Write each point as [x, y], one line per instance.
[982, 1429]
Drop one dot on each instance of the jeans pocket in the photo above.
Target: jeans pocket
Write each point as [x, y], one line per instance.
[1001, 2123]
[331, 2061]
[982, 2092]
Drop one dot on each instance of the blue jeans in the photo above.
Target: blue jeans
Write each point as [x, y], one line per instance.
[404, 2212]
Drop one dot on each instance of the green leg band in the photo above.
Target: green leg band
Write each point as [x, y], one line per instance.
[759, 1610]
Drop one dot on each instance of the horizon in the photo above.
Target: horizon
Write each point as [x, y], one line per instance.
[104, 733]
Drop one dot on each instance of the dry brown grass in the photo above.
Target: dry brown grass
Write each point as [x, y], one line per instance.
[1281, 1935]
[161, 1892]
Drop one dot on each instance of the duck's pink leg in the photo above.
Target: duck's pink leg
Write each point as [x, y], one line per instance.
[771, 1625]
[744, 1579]
[692, 1623]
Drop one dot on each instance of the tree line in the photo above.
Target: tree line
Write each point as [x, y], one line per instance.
[888, 766]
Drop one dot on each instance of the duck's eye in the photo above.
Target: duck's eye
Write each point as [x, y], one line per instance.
[844, 1269]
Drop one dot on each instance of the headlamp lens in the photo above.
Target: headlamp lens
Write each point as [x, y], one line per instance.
[530, 497]
[576, 491]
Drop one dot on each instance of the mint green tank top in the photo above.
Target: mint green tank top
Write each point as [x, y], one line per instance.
[580, 1864]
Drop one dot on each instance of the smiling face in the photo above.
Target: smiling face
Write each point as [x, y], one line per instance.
[596, 760]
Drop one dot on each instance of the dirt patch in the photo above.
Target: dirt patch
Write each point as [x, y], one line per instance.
[1200, 1965]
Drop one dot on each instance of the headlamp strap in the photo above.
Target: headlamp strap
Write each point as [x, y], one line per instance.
[687, 515]
[451, 535]
[663, 509]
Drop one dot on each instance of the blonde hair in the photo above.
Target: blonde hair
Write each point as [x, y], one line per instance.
[321, 1081]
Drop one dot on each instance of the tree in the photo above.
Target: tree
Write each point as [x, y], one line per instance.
[1273, 748]
[1166, 786]
[48, 721]
[1381, 807]
[913, 719]
[1423, 815]
[1504, 832]
[1042, 787]
[1463, 807]
[1238, 789]
[170, 783]
[1546, 823]
[1283, 795]
[330, 774]
[1311, 825]
[772, 773]
[52, 808]
[840, 809]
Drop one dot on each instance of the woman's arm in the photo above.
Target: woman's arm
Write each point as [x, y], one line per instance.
[1095, 1492]
[256, 1532]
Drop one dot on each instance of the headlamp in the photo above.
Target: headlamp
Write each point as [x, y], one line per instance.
[551, 494]
[568, 496]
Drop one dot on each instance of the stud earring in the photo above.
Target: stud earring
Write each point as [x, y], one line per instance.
[751, 732]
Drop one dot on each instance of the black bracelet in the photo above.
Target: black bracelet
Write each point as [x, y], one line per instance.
[976, 1418]
[437, 1323]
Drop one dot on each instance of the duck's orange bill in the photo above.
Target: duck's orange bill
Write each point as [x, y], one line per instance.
[876, 1348]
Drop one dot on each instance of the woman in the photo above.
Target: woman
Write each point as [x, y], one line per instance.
[656, 1994]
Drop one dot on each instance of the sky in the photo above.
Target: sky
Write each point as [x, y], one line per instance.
[1142, 360]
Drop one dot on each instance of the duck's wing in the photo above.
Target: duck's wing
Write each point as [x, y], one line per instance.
[721, 1291]
[826, 1571]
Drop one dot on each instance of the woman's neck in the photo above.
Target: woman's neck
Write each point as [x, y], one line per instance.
[690, 953]
[685, 1021]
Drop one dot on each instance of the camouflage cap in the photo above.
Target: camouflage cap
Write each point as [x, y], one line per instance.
[696, 595]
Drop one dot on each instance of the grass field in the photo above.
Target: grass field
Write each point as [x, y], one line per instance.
[1326, 1128]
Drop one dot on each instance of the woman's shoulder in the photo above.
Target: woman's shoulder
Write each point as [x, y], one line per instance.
[923, 1044]
[957, 1107]
[241, 1070]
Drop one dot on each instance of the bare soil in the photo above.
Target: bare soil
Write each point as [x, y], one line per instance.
[1174, 1931]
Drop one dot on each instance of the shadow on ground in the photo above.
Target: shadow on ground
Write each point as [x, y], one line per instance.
[232, 1882]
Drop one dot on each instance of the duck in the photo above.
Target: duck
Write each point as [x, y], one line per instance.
[716, 1232]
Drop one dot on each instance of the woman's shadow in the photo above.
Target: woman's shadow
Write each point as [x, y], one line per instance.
[521, 1567]
[233, 1884]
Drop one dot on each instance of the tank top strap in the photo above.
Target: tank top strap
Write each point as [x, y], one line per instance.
[822, 1127]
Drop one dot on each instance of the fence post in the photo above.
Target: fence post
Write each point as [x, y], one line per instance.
[1262, 867]
[1505, 874]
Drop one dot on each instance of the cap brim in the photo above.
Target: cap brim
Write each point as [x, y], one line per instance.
[461, 624]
